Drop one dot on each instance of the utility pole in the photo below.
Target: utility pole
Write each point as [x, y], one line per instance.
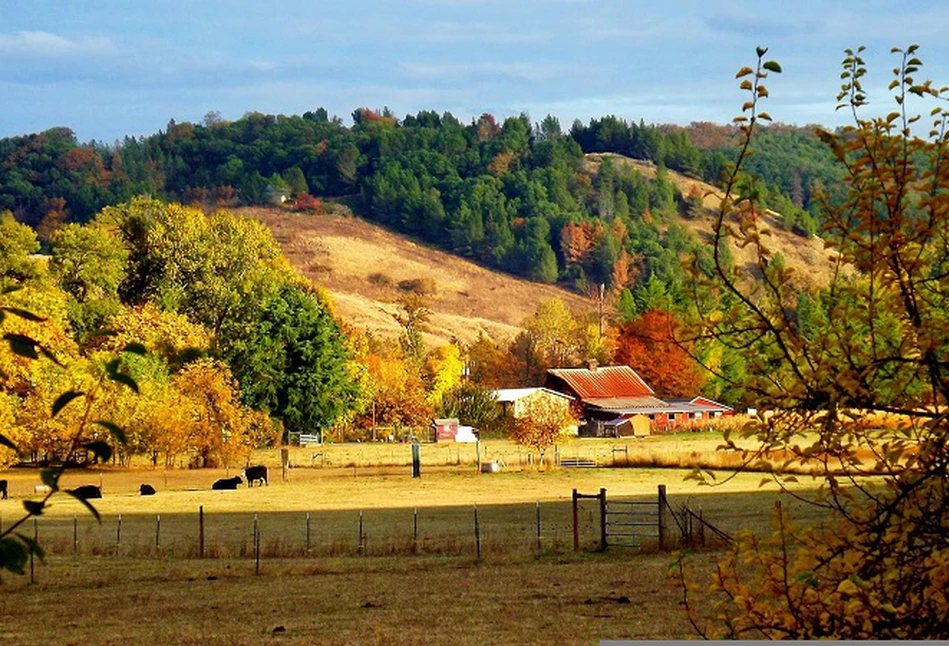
[600, 318]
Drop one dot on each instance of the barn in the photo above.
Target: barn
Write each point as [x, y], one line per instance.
[608, 395]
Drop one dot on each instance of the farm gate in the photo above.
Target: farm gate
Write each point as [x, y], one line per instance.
[626, 523]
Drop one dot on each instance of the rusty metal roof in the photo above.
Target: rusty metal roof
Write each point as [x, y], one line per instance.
[626, 403]
[608, 381]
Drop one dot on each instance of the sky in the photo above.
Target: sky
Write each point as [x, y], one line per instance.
[109, 69]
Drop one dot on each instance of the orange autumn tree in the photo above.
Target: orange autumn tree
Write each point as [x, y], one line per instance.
[651, 345]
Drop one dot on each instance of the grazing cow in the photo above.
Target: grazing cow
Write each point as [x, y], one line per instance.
[86, 492]
[256, 474]
[146, 490]
[227, 483]
[3, 489]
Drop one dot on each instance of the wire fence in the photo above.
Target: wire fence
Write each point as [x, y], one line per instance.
[476, 531]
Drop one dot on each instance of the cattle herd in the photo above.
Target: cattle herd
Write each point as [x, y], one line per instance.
[255, 474]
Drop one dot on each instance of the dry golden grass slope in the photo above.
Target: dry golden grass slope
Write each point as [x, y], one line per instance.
[362, 264]
[809, 258]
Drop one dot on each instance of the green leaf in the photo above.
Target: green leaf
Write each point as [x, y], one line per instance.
[761, 51]
[33, 507]
[100, 449]
[114, 429]
[772, 66]
[50, 478]
[22, 345]
[4, 441]
[135, 348]
[24, 314]
[9, 289]
[123, 378]
[745, 71]
[112, 366]
[13, 555]
[103, 332]
[64, 399]
[87, 505]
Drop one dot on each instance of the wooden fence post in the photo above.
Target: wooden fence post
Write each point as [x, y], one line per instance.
[602, 519]
[118, 533]
[75, 535]
[256, 546]
[576, 523]
[477, 529]
[158, 531]
[361, 544]
[36, 538]
[201, 531]
[539, 545]
[307, 531]
[663, 517]
[415, 528]
[700, 534]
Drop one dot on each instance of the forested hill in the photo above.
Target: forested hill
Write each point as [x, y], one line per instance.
[515, 196]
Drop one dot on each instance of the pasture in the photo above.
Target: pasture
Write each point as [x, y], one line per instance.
[408, 577]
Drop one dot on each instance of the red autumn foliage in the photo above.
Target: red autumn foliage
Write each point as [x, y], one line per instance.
[648, 344]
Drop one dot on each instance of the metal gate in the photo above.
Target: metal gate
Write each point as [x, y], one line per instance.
[631, 522]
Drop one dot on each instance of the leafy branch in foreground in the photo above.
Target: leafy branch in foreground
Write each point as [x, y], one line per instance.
[15, 546]
[855, 379]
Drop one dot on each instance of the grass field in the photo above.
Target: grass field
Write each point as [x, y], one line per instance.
[386, 588]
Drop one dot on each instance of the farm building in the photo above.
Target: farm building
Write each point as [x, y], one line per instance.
[610, 394]
[515, 402]
[450, 430]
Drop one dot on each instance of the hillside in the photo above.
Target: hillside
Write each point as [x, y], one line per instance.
[362, 264]
[807, 255]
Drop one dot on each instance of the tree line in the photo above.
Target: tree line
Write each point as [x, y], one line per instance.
[498, 192]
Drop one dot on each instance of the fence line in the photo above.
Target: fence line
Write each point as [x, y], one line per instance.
[436, 530]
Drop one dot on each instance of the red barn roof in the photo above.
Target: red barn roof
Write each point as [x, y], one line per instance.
[605, 382]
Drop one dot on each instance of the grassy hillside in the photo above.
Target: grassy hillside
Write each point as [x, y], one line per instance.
[362, 265]
[366, 268]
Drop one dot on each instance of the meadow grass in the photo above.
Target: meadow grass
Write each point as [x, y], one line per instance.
[389, 587]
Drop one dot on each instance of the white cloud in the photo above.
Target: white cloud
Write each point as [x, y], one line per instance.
[45, 44]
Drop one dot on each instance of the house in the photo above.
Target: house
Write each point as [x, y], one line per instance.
[610, 394]
[515, 402]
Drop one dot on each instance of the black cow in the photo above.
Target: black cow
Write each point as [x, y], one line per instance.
[256, 474]
[146, 490]
[86, 492]
[3, 489]
[227, 483]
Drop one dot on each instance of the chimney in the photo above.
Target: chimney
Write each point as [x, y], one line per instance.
[592, 365]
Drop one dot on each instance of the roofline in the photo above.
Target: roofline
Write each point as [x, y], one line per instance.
[556, 372]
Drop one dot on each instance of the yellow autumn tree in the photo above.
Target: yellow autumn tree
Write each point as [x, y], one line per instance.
[217, 430]
[443, 366]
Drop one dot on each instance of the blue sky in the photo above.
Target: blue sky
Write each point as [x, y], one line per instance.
[112, 68]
